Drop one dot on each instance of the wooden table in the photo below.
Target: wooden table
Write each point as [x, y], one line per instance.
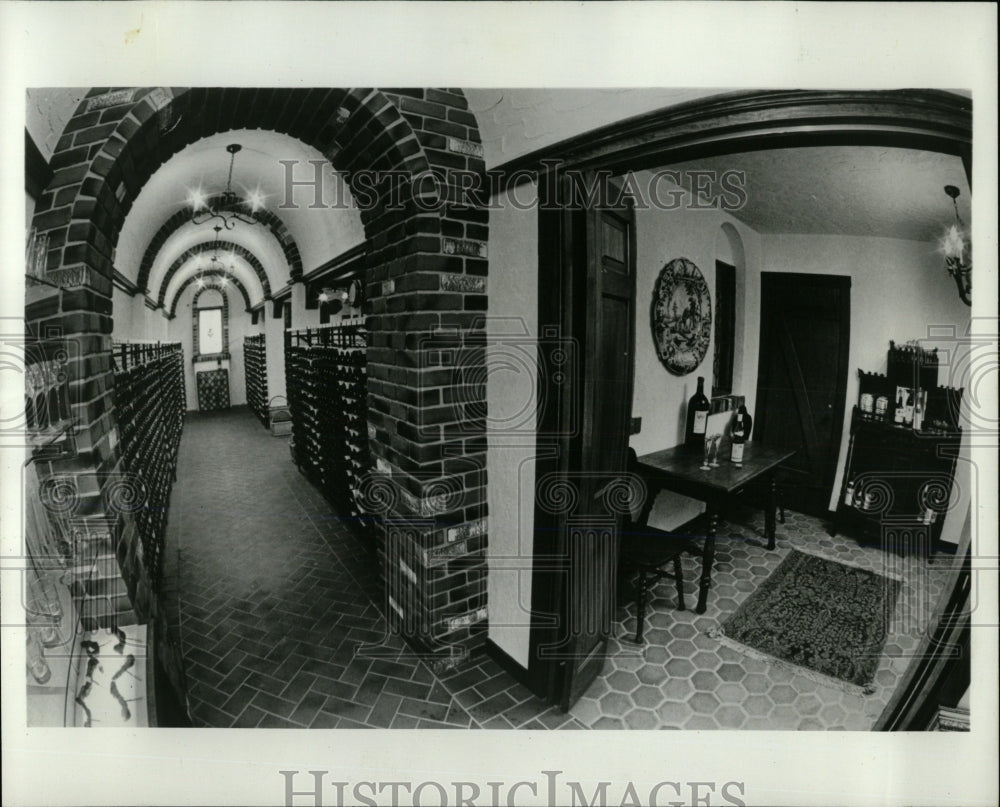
[679, 470]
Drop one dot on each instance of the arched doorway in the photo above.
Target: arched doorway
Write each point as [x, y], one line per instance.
[401, 152]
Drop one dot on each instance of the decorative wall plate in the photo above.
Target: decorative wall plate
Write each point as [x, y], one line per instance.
[681, 316]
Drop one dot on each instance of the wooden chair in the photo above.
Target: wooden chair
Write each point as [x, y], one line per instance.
[646, 551]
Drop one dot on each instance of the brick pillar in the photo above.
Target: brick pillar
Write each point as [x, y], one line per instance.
[82, 212]
[427, 286]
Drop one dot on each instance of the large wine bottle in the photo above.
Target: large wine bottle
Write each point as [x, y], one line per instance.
[697, 417]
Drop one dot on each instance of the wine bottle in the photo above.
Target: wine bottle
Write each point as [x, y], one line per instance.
[742, 424]
[697, 417]
[739, 436]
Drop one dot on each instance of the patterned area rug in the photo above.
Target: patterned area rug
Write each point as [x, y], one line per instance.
[819, 615]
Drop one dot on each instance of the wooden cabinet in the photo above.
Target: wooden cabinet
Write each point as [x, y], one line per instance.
[898, 479]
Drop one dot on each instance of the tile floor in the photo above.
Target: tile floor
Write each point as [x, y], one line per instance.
[274, 600]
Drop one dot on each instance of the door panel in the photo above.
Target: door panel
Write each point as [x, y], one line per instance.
[802, 380]
[604, 279]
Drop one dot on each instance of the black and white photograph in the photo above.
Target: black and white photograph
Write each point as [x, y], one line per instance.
[526, 407]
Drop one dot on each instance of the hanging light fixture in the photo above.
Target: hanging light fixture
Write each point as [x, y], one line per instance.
[216, 265]
[957, 248]
[229, 207]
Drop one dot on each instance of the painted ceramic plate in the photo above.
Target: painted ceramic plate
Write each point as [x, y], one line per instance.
[681, 316]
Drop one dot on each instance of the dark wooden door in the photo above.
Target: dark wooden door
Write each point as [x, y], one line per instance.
[805, 326]
[593, 253]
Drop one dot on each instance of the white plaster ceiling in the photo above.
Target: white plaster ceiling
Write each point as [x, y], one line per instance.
[257, 239]
[515, 122]
[240, 269]
[844, 190]
[321, 233]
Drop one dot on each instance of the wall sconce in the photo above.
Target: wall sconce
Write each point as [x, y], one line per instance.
[957, 248]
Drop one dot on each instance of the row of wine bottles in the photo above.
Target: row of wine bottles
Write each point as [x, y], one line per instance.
[696, 431]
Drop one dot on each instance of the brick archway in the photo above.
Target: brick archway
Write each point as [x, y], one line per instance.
[425, 274]
[209, 246]
[213, 273]
[277, 227]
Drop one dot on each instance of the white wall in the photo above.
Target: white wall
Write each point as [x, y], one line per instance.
[660, 398]
[899, 290]
[511, 394]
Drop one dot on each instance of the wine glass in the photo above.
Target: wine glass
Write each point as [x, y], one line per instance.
[706, 461]
[715, 439]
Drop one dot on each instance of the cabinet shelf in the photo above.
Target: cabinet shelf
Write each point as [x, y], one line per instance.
[898, 480]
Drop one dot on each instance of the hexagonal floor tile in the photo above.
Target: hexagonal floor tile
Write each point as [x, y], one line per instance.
[782, 693]
[832, 714]
[641, 719]
[704, 703]
[682, 648]
[730, 717]
[701, 722]
[622, 681]
[730, 671]
[757, 705]
[652, 673]
[728, 692]
[683, 631]
[784, 717]
[705, 681]
[586, 710]
[808, 705]
[677, 689]
[680, 668]
[615, 704]
[757, 683]
[647, 696]
[673, 713]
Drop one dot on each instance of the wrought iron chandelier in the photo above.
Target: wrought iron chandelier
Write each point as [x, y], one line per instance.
[957, 248]
[216, 265]
[229, 207]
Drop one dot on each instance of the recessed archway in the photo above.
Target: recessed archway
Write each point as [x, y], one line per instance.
[118, 138]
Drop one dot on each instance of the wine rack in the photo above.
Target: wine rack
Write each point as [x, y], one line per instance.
[326, 378]
[255, 371]
[149, 407]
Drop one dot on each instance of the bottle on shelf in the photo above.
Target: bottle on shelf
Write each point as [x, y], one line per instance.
[697, 417]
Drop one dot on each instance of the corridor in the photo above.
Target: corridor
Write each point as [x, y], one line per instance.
[272, 596]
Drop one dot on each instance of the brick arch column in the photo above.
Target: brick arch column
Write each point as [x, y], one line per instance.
[426, 282]
[209, 246]
[213, 273]
[277, 227]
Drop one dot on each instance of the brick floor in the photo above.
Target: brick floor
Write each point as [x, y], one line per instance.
[274, 599]
[272, 596]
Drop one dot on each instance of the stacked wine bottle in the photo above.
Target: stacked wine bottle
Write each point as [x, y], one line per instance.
[255, 371]
[327, 383]
[149, 407]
